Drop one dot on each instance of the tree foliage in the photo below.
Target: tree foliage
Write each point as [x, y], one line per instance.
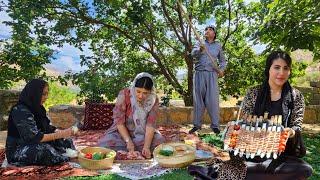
[23, 55]
[59, 95]
[102, 80]
[127, 37]
[291, 25]
[22, 60]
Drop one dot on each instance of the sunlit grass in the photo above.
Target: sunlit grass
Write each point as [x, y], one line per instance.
[312, 142]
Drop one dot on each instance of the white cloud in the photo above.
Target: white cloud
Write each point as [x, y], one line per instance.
[68, 58]
[5, 31]
[65, 63]
[69, 50]
[259, 48]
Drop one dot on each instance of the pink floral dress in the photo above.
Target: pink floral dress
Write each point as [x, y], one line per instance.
[123, 114]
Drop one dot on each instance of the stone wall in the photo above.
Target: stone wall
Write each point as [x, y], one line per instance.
[7, 100]
[312, 114]
[311, 94]
[65, 116]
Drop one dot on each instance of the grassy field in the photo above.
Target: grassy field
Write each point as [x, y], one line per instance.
[312, 142]
[176, 174]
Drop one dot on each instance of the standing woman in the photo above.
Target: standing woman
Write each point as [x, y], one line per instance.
[31, 140]
[134, 118]
[276, 97]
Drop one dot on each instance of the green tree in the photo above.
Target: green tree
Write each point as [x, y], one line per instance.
[22, 56]
[22, 60]
[59, 95]
[104, 78]
[127, 37]
[290, 25]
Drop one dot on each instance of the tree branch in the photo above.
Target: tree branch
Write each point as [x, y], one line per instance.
[166, 72]
[169, 75]
[171, 22]
[171, 46]
[229, 25]
[181, 24]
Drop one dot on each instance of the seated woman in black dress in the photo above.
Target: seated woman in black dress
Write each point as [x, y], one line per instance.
[31, 139]
[276, 97]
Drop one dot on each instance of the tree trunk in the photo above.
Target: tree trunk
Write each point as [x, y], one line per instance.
[188, 100]
[188, 96]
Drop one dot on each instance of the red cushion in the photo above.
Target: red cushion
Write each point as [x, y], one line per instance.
[98, 116]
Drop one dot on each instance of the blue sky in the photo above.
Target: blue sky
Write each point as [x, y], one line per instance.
[67, 57]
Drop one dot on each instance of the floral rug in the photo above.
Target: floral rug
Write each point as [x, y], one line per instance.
[86, 138]
[43, 172]
[133, 170]
[171, 133]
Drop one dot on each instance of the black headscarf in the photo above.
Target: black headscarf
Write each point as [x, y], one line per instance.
[264, 96]
[31, 97]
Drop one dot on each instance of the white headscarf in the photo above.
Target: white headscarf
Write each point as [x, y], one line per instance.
[140, 112]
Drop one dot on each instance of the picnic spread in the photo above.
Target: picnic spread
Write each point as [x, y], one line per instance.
[93, 160]
[246, 138]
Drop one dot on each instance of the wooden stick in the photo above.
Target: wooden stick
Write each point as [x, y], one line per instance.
[215, 66]
[239, 112]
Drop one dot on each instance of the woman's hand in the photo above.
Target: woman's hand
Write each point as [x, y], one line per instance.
[146, 152]
[130, 146]
[66, 132]
[290, 131]
[58, 134]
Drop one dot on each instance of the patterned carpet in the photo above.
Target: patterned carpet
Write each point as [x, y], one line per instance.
[171, 133]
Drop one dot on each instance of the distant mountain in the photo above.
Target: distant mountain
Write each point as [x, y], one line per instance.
[53, 71]
[307, 57]
[302, 55]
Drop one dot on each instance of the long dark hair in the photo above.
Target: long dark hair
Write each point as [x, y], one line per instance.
[144, 82]
[264, 95]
